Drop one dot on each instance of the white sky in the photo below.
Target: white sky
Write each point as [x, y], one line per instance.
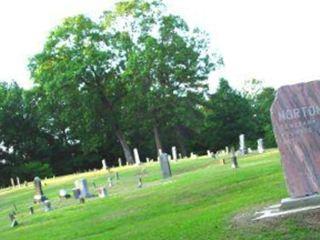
[271, 40]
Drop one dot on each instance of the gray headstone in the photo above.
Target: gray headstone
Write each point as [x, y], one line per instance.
[234, 161]
[83, 186]
[47, 206]
[76, 193]
[38, 196]
[119, 162]
[165, 166]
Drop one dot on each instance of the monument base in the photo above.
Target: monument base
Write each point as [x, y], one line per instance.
[290, 206]
[293, 203]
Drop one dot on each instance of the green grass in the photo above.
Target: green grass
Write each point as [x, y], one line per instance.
[204, 200]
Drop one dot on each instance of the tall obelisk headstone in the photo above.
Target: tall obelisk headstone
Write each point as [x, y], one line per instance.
[295, 117]
[136, 156]
[242, 145]
[38, 196]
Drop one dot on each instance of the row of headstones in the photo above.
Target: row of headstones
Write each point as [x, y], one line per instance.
[137, 160]
[243, 150]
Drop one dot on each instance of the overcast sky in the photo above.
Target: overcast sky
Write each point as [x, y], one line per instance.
[271, 40]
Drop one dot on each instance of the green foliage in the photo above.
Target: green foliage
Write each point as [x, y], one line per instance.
[137, 77]
[228, 114]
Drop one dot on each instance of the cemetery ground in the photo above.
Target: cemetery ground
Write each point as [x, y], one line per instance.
[203, 200]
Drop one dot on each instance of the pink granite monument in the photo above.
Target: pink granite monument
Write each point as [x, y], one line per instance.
[295, 117]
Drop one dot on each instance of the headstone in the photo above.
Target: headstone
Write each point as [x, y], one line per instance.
[140, 182]
[180, 156]
[165, 165]
[234, 161]
[295, 115]
[76, 193]
[222, 161]
[104, 164]
[117, 176]
[242, 144]
[18, 182]
[102, 192]
[147, 160]
[38, 196]
[209, 154]
[63, 194]
[47, 206]
[12, 182]
[227, 150]
[136, 156]
[159, 151]
[82, 200]
[13, 221]
[174, 153]
[250, 150]
[110, 183]
[83, 186]
[31, 210]
[119, 162]
[260, 146]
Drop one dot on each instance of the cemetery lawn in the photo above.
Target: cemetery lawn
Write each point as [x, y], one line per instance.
[204, 200]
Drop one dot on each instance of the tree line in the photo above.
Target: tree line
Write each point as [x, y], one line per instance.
[137, 77]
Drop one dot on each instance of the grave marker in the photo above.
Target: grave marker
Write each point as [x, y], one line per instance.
[38, 196]
[295, 115]
[260, 146]
[136, 156]
[174, 153]
[165, 166]
[82, 185]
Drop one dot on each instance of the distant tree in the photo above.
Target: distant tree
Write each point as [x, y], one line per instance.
[228, 114]
[263, 102]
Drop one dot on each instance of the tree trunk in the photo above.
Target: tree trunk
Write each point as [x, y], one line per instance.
[114, 123]
[157, 138]
[181, 144]
[125, 147]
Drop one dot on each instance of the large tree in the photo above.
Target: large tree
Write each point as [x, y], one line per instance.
[79, 70]
[170, 64]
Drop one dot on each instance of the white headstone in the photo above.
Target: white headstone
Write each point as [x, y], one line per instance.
[119, 162]
[260, 146]
[18, 182]
[242, 147]
[174, 153]
[136, 156]
[12, 182]
[104, 164]
[102, 192]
